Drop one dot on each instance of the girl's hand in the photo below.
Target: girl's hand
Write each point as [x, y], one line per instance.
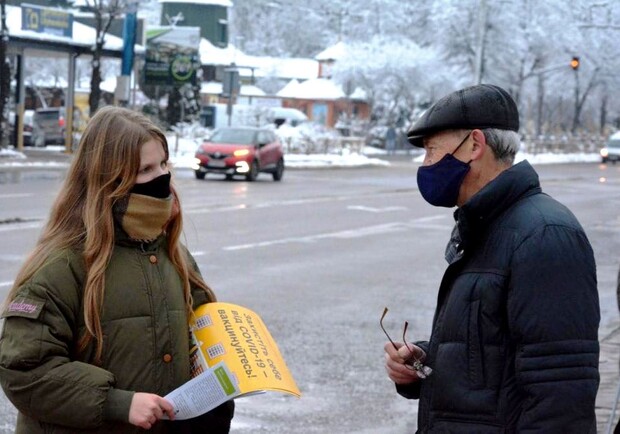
[148, 408]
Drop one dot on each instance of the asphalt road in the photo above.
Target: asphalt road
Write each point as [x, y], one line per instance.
[318, 256]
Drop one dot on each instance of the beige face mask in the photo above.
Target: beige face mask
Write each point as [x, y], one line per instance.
[143, 217]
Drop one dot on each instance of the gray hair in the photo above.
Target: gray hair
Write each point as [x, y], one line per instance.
[504, 143]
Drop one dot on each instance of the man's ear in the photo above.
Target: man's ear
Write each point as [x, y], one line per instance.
[480, 144]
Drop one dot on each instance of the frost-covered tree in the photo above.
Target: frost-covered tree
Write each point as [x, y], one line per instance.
[397, 76]
[40, 71]
[5, 74]
[279, 28]
[599, 26]
[526, 47]
[104, 13]
[523, 45]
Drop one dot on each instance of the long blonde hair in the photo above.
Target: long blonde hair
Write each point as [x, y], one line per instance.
[104, 170]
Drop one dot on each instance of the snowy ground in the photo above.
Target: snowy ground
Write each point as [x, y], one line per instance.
[182, 153]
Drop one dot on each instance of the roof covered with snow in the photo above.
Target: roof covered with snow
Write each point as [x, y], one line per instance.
[215, 88]
[359, 94]
[318, 89]
[291, 88]
[263, 66]
[226, 3]
[335, 52]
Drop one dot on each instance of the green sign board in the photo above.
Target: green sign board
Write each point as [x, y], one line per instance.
[172, 57]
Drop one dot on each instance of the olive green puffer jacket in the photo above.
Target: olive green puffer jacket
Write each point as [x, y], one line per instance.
[145, 345]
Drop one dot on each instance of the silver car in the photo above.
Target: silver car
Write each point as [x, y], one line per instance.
[611, 151]
[49, 126]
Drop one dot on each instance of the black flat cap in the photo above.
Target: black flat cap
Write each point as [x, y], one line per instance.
[480, 106]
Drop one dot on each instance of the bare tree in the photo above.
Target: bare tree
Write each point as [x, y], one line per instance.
[5, 72]
[104, 12]
[581, 96]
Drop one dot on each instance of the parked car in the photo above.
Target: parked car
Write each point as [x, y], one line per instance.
[291, 116]
[611, 151]
[49, 126]
[240, 151]
[28, 127]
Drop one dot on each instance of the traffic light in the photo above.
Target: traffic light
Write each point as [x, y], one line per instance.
[574, 63]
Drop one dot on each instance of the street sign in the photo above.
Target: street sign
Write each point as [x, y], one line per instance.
[172, 56]
[231, 85]
[45, 20]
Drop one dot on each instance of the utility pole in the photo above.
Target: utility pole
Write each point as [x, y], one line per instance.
[481, 35]
[541, 93]
[5, 72]
[123, 82]
[342, 13]
[576, 114]
[230, 88]
[540, 75]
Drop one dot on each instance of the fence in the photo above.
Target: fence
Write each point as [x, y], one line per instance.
[581, 143]
[533, 145]
[323, 145]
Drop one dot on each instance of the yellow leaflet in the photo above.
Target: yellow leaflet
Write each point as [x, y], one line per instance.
[237, 336]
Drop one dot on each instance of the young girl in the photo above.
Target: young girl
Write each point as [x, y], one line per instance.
[96, 324]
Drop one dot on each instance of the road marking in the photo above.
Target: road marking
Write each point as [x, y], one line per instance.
[200, 208]
[14, 195]
[377, 210]
[422, 223]
[9, 283]
[189, 209]
[20, 226]
[207, 209]
[12, 258]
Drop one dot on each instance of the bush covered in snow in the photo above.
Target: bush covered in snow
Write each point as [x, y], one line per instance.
[311, 138]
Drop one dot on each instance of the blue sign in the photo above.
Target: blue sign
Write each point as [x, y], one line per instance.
[50, 21]
[129, 40]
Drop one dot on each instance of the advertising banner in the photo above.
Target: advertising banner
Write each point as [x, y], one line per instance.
[44, 20]
[172, 57]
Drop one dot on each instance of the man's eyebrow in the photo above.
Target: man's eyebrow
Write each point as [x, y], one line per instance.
[430, 142]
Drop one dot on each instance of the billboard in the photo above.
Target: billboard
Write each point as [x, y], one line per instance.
[172, 57]
[44, 20]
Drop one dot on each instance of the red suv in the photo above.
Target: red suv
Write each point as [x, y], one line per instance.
[240, 151]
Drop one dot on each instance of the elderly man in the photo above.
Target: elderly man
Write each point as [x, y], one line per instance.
[514, 344]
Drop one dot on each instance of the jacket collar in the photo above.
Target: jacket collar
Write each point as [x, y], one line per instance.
[122, 239]
[513, 184]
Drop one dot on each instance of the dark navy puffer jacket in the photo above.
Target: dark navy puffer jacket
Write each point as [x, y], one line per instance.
[514, 345]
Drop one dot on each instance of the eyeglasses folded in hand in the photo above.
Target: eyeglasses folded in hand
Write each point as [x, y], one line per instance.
[414, 362]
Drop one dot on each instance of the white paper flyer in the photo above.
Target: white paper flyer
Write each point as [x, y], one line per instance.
[203, 392]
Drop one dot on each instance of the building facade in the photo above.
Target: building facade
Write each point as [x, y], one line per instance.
[210, 15]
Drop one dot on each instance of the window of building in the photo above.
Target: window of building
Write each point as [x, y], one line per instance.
[222, 31]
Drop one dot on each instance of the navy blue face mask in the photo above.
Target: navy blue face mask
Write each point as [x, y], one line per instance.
[440, 183]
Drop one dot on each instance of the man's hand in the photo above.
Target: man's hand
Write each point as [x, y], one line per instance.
[148, 408]
[395, 366]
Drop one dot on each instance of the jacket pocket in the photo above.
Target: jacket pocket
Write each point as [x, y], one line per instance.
[475, 366]
[462, 425]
